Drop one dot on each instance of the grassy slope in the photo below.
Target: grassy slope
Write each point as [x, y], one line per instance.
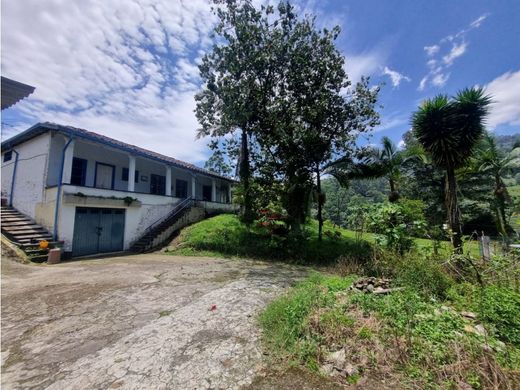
[224, 235]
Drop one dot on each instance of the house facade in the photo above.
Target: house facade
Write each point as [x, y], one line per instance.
[98, 194]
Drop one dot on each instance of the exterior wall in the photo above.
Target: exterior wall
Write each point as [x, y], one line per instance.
[137, 218]
[195, 214]
[31, 174]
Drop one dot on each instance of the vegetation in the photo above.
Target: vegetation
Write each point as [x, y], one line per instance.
[417, 337]
[278, 105]
[278, 83]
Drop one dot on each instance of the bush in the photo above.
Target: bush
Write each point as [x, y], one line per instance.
[397, 223]
[425, 275]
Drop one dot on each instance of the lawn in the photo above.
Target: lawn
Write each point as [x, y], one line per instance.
[224, 235]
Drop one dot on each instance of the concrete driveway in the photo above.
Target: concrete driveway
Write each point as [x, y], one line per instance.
[137, 322]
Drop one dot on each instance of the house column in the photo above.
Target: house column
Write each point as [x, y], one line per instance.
[193, 187]
[213, 190]
[168, 181]
[131, 173]
[67, 163]
[229, 193]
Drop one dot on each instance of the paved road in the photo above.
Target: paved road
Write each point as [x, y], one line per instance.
[135, 322]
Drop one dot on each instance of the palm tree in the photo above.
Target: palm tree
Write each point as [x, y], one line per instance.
[449, 129]
[374, 163]
[492, 161]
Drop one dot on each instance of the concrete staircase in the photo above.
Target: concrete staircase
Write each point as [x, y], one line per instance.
[25, 233]
[159, 232]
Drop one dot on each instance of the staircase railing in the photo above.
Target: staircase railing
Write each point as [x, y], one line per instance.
[184, 204]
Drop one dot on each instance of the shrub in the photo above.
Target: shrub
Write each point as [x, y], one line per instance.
[397, 223]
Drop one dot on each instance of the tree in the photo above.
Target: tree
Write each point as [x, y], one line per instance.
[449, 130]
[233, 73]
[494, 163]
[385, 162]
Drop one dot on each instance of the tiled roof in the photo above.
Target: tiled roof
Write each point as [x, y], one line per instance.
[40, 128]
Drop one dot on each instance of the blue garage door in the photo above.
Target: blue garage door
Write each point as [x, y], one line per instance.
[98, 230]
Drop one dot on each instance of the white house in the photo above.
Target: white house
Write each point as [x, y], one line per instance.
[97, 194]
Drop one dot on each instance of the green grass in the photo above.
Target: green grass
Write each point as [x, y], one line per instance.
[224, 235]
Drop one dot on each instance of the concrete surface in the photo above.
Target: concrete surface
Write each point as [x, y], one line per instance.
[136, 322]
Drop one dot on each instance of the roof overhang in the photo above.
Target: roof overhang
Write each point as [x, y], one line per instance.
[14, 91]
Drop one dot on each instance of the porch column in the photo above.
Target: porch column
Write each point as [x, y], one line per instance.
[213, 190]
[131, 173]
[168, 181]
[229, 193]
[67, 163]
[193, 187]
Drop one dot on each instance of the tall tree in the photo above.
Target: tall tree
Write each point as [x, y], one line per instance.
[233, 72]
[449, 130]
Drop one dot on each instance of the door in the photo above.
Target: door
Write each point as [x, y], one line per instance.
[104, 176]
[98, 230]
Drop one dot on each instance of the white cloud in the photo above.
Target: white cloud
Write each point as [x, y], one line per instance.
[439, 62]
[477, 22]
[123, 68]
[423, 82]
[401, 144]
[365, 64]
[395, 76]
[439, 80]
[431, 50]
[455, 52]
[505, 91]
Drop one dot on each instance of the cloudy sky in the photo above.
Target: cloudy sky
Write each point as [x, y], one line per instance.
[128, 68]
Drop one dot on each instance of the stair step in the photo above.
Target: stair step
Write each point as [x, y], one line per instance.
[24, 229]
[18, 221]
[33, 235]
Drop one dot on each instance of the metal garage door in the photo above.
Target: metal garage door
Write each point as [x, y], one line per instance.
[98, 230]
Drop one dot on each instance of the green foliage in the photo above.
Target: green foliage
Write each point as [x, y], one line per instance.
[497, 306]
[226, 235]
[397, 223]
[284, 320]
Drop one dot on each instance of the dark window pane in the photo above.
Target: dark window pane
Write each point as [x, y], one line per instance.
[79, 171]
[206, 193]
[157, 184]
[124, 176]
[8, 156]
[181, 188]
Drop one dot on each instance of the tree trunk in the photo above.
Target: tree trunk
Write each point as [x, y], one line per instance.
[500, 206]
[245, 175]
[453, 210]
[320, 205]
[393, 196]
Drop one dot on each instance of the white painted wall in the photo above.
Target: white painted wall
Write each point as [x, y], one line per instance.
[31, 174]
[137, 219]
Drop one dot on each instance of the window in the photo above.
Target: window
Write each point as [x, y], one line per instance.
[8, 156]
[181, 188]
[79, 171]
[124, 176]
[157, 184]
[206, 193]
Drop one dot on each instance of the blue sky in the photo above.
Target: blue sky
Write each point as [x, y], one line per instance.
[128, 68]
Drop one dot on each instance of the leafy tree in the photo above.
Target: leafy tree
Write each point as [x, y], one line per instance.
[233, 74]
[449, 130]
